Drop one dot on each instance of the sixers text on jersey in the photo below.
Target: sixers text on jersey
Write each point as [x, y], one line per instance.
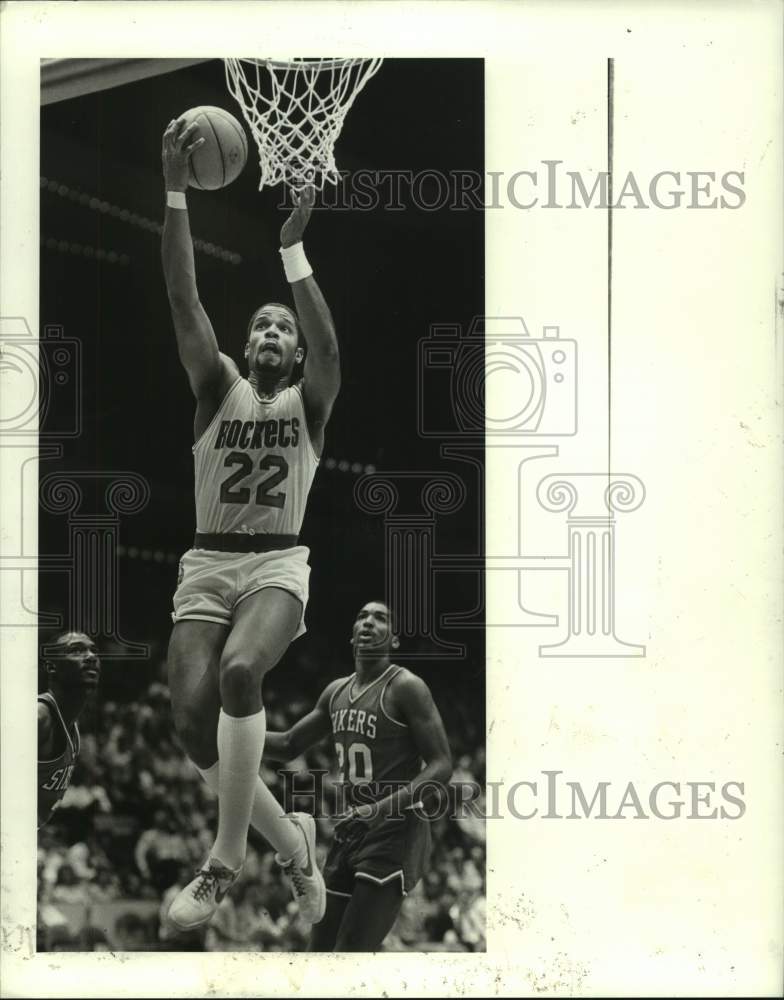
[373, 749]
[54, 776]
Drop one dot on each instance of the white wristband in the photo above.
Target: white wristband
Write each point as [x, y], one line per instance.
[295, 263]
[176, 199]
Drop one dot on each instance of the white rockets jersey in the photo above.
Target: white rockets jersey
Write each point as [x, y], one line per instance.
[254, 464]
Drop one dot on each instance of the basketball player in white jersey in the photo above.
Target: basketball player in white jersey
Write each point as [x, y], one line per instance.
[73, 670]
[243, 586]
[391, 750]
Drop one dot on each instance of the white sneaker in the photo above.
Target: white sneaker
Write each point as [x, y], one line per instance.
[196, 903]
[307, 884]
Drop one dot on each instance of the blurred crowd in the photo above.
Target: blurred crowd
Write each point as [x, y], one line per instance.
[138, 820]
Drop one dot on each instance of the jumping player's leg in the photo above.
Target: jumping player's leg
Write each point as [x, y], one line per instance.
[264, 624]
[325, 933]
[369, 916]
[194, 654]
[195, 649]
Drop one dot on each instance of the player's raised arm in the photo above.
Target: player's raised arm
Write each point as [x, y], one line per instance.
[209, 372]
[309, 730]
[322, 360]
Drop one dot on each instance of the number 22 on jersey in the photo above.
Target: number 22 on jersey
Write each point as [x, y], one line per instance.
[232, 492]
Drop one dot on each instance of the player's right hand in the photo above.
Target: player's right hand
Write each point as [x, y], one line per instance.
[176, 153]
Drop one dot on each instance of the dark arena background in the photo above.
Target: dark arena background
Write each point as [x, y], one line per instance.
[394, 257]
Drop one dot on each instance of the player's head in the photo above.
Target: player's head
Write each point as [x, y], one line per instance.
[275, 345]
[71, 662]
[373, 632]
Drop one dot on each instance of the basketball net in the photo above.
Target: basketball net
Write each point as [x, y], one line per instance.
[295, 111]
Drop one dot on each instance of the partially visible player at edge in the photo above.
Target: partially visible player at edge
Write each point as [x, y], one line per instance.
[243, 586]
[72, 673]
[391, 745]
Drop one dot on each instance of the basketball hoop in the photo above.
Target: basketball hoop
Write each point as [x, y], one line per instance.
[295, 111]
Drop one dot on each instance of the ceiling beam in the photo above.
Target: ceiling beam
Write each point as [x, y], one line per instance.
[62, 79]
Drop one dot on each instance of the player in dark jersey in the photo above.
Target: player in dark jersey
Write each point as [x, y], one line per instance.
[391, 749]
[72, 671]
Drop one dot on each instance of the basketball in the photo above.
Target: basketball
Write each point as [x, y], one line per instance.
[222, 155]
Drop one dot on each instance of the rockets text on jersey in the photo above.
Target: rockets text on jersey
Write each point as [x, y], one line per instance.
[254, 464]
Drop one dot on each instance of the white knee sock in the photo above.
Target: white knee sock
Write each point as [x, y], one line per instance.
[267, 816]
[240, 743]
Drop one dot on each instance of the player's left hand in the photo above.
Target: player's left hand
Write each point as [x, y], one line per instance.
[354, 823]
[293, 228]
[177, 151]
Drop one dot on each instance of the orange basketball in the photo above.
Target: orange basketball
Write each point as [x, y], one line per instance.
[220, 158]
